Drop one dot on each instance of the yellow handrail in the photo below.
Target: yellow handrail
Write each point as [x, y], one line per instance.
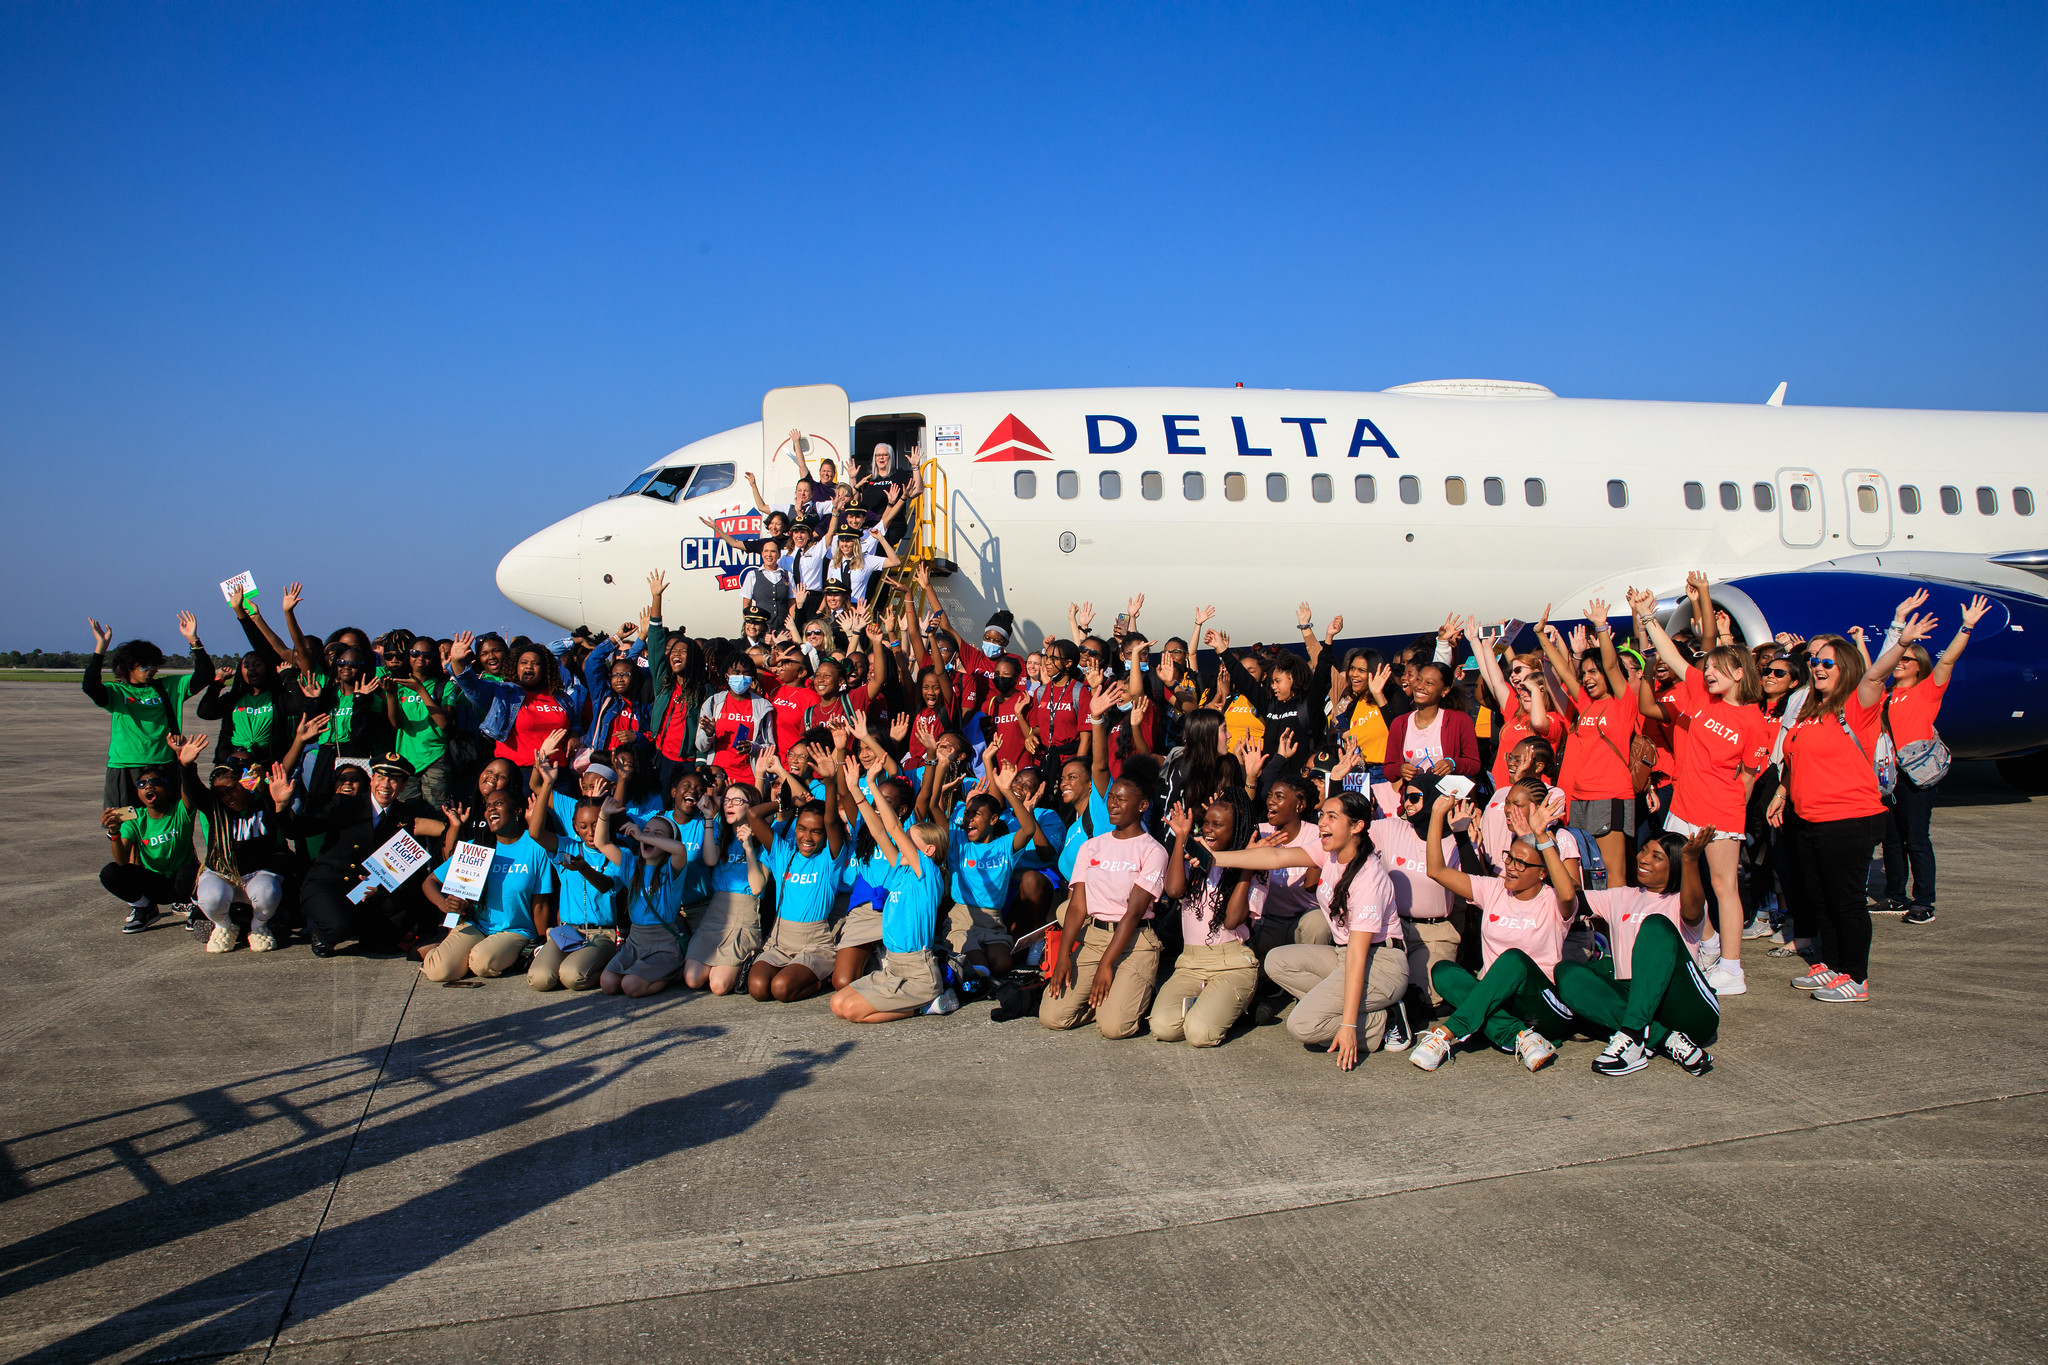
[931, 534]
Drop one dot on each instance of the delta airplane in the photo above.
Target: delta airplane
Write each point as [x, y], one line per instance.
[1395, 508]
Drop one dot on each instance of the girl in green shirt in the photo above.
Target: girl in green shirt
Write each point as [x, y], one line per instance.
[155, 862]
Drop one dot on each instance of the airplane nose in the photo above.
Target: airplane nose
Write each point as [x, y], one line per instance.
[543, 573]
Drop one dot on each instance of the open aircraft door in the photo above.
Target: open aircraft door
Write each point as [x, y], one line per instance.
[819, 416]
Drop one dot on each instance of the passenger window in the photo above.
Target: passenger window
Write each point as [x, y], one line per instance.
[1110, 485]
[1068, 484]
[1363, 488]
[1496, 492]
[711, 478]
[1320, 488]
[2023, 501]
[1025, 484]
[1152, 485]
[1802, 498]
[1532, 492]
[1233, 487]
[1909, 500]
[1951, 499]
[1411, 489]
[1866, 498]
[1987, 501]
[1695, 497]
[1617, 493]
[1191, 486]
[1763, 497]
[667, 484]
[1731, 497]
[1454, 491]
[1276, 488]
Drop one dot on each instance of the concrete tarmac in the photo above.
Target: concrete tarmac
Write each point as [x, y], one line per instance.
[274, 1156]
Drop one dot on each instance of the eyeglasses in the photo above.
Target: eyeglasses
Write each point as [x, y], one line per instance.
[1820, 663]
[1519, 865]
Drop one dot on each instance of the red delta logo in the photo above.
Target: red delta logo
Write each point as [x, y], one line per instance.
[1011, 442]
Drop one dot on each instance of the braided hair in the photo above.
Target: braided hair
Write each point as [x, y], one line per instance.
[1244, 824]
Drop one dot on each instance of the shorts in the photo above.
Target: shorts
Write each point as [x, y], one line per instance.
[861, 927]
[800, 943]
[905, 981]
[969, 927]
[728, 934]
[650, 952]
[1604, 817]
[1674, 825]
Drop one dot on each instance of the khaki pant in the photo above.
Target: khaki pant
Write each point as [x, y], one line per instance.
[466, 950]
[1221, 981]
[1429, 942]
[554, 969]
[1269, 934]
[1313, 973]
[1130, 990]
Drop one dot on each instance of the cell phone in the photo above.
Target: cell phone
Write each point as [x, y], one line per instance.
[1123, 621]
[124, 813]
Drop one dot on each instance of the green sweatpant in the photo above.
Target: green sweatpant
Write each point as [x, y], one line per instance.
[1666, 992]
[1513, 995]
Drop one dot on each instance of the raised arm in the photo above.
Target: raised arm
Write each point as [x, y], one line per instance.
[1028, 832]
[1692, 891]
[1559, 658]
[1871, 690]
[538, 808]
[1973, 612]
[310, 654]
[1441, 872]
[1610, 658]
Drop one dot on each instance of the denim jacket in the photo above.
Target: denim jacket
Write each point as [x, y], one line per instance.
[496, 700]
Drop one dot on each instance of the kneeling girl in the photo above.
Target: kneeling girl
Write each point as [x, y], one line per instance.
[908, 978]
[1217, 973]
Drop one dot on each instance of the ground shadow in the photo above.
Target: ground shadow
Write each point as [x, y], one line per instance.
[238, 1306]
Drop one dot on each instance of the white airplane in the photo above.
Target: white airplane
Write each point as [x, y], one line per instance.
[1394, 508]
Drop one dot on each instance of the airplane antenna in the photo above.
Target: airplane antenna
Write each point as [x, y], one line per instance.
[1777, 398]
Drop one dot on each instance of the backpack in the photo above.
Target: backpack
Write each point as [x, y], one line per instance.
[1925, 761]
[1592, 867]
[1885, 765]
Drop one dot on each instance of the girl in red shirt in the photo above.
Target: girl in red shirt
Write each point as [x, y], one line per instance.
[1918, 684]
[1596, 775]
[1838, 812]
[1726, 742]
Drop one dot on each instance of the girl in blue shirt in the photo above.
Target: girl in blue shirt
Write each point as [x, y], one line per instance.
[803, 859]
[728, 933]
[983, 862]
[908, 978]
[516, 906]
[590, 864]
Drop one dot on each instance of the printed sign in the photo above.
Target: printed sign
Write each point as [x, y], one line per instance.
[244, 580]
[709, 552]
[389, 866]
[467, 871]
[946, 440]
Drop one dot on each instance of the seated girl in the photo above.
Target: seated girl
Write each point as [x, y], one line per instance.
[575, 952]
[1345, 987]
[803, 859]
[1035, 881]
[865, 877]
[1650, 992]
[982, 860]
[153, 863]
[728, 934]
[245, 859]
[515, 907]
[656, 880]
[1513, 1000]
[908, 978]
[1216, 973]
[1109, 953]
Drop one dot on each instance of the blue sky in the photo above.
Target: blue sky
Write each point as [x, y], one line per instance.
[363, 294]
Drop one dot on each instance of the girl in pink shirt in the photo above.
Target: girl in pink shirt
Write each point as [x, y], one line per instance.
[1343, 988]
[1513, 1000]
[1109, 955]
[1216, 973]
[1649, 992]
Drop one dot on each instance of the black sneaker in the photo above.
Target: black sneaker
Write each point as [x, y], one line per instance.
[1920, 914]
[1889, 907]
[138, 920]
[1397, 1038]
[1267, 1008]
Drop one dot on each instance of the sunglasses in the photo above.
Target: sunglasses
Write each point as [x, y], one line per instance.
[1820, 663]
[1777, 673]
[421, 653]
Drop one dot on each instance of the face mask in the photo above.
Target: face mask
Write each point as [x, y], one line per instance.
[1144, 668]
[1004, 684]
[991, 648]
[738, 683]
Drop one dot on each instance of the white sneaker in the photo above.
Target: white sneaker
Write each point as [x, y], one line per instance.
[1726, 978]
[1431, 1048]
[948, 1001]
[261, 940]
[223, 938]
[1397, 1038]
[1758, 928]
[1534, 1049]
[1623, 1056]
[1710, 952]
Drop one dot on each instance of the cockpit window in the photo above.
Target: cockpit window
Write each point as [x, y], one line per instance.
[710, 479]
[666, 484]
[639, 482]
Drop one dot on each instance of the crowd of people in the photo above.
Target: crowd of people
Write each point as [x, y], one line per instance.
[1452, 845]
